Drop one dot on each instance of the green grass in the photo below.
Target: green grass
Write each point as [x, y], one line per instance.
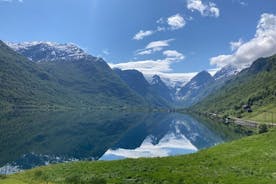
[249, 160]
[265, 114]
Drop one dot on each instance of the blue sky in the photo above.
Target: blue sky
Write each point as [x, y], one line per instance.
[176, 36]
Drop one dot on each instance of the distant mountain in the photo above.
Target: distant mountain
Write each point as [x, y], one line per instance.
[172, 81]
[48, 51]
[204, 84]
[254, 86]
[226, 72]
[189, 93]
[136, 81]
[162, 89]
[79, 82]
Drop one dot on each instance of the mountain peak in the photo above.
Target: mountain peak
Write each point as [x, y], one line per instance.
[156, 80]
[188, 94]
[226, 71]
[48, 51]
[203, 75]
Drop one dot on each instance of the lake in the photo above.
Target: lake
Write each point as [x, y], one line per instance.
[28, 140]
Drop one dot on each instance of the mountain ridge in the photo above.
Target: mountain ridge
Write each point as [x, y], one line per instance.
[136, 81]
[39, 51]
[64, 83]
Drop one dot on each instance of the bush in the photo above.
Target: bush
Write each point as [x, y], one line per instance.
[73, 179]
[263, 128]
[38, 173]
[2, 176]
[76, 179]
[95, 180]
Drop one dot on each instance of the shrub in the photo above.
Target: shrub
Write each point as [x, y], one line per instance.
[73, 179]
[263, 128]
[2, 176]
[95, 180]
[37, 173]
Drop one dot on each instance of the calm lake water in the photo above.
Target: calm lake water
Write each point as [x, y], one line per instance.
[28, 140]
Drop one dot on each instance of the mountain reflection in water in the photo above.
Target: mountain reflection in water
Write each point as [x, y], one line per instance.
[28, 140]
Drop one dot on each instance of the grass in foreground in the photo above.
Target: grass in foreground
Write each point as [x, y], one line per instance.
[249, 160]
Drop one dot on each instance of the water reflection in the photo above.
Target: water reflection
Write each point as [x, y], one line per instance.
[175, 134]
[28, 140]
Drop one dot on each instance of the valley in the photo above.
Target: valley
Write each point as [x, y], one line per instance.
[146, 92]
[118, 101]
[87, 82]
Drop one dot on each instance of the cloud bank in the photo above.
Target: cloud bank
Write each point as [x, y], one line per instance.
[263, 44]
[152, 66]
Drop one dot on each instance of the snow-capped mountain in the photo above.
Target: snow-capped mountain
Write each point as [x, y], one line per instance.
[172, 80]
[204, 84]
[162, 89]
[189, 94]
[226, 72]
[48, 51]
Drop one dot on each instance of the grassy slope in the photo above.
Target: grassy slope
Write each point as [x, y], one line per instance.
[255, 86]
[249, 160]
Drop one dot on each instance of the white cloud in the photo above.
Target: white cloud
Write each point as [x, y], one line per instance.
[172, 23]
[105, 52]
[142, 34]
[263, 44]
[173, 54]
[154, 47]
[241, 2]
[235, 45]
[158, 44]
[145, 66]
[209, 9]
[144, 52]
[176, 22]
[152, 66]
[160, 21]
[161, 29]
